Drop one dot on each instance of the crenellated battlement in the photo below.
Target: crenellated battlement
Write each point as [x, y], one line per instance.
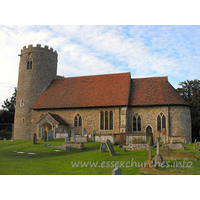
[38, 48]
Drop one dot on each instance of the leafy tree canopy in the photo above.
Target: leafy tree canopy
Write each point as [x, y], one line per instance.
[190, 91]
[8, 113]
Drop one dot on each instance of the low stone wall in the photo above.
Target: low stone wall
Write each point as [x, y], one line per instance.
[137, 147]
[81, 138]
[176, 146]
[61, 135]
[130, 139]
[104, 138]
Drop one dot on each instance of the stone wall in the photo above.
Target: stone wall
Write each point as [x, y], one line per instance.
[178, 120]
[90, 119]
[103, 138]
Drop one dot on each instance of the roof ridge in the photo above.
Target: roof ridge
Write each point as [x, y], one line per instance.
[159, 77]
[94, 75]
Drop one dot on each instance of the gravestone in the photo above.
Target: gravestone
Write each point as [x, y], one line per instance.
[45, 136]
[110, 148]
[74, 135]
[93, 136]
[150, 150]
[84, 132]
[103, 147]
[34, 138]
[158, 159]
[117, 171]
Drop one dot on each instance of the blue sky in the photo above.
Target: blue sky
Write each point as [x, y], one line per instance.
[145, 51]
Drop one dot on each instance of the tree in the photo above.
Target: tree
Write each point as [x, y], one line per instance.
[190, 91]
[7, 116]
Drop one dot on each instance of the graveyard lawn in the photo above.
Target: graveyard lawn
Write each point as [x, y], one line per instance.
[52, 161]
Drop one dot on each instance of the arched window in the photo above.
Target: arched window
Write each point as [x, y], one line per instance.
[161, 122]
[136, 122]
[80, 121]
[139, 123]
[77, 120]
[22, 102]
[27, 67]
[102, 120]
[106, 120]
[111, 120]
[29, 64]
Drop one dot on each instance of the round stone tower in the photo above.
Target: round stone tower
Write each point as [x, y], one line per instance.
[37, 68]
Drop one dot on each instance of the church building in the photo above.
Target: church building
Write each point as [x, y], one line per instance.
[108, 103]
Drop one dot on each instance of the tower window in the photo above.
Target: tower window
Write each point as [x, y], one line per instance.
[29, 64]
[22, 103]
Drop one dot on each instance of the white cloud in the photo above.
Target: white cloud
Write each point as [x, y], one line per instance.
[86, 50]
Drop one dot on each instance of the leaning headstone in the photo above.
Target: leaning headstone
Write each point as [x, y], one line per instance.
[34, 138]
[117, 171]
[93, 136]
[103, 147]
[110, 148]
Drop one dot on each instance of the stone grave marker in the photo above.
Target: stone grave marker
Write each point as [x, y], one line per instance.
[103, 147]
[45, 136]
[158, 159]
[84, 132]
[110, 148]
[74, 135]
[34, 138]
[117, 171]
[93, 136]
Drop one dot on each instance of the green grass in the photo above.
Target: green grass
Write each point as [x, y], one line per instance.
[47, 161]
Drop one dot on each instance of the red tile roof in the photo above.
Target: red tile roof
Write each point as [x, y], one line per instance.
[86, 91]
[154, 91]
[108, 90]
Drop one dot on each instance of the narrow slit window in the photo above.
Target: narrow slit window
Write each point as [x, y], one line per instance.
[159, 123]
[106, 120]
[111, 120]
[102, 120]
[75, 121]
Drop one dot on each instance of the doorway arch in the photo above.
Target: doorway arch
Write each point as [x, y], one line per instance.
[47, 129]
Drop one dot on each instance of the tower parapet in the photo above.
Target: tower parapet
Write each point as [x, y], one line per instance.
[38, 67]
[38, 48]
